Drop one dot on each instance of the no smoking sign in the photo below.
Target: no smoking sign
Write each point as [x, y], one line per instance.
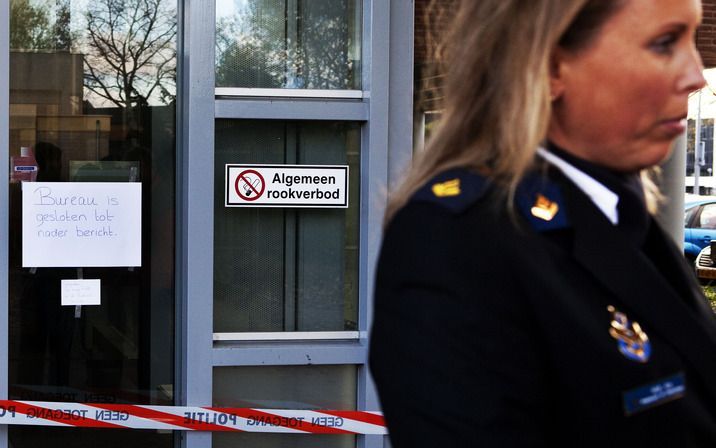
[308, 186]
[249, 185]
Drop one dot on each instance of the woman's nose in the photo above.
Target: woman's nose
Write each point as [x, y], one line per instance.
[693, 74]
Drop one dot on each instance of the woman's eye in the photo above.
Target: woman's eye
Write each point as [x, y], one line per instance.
[664, 44]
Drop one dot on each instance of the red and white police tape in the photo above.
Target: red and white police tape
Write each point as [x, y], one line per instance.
[190, 418]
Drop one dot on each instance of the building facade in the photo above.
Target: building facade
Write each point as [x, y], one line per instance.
[126, 276]
[126, 273]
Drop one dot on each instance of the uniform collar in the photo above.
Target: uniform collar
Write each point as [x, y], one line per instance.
[604, 198]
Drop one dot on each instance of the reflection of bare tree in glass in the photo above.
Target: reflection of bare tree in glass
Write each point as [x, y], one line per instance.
[130, 55]
[288, 44]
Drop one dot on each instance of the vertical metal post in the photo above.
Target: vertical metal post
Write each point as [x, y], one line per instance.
[697, 147]
[402, 80]
[388, 138]
[290, 294]
[671, 214]
[374, 178]
[195, 210]
[5, 207]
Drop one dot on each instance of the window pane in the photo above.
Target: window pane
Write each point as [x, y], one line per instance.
[283, 269]
[295, 44]
[707, 219]
[92, 102]
[285, 387]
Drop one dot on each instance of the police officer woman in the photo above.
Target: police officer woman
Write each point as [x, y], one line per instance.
[525, 295]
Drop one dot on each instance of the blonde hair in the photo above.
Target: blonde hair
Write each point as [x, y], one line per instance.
[497, 96]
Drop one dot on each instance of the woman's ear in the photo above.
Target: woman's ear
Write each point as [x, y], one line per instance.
[556, 72]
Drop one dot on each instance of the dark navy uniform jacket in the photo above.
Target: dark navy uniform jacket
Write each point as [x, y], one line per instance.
[547, 327]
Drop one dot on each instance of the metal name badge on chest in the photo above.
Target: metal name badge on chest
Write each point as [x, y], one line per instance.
[632, 341]
[654, 394]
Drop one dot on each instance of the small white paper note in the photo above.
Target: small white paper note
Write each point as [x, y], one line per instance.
[81, 292]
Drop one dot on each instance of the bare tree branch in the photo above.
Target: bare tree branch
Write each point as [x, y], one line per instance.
[131, 56]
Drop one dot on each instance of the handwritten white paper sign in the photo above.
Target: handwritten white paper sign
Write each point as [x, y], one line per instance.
[81, 224]
[80, 292]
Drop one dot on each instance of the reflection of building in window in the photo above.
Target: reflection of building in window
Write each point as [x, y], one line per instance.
[49, 108]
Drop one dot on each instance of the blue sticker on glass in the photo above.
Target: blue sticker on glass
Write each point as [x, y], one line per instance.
[654, 394]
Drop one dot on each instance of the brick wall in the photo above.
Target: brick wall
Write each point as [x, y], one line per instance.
[428, 81]
[432, 17]
[425, 11]
[706, 35]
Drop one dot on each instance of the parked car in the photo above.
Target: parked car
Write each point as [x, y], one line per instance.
[699, 224]
[705, 266]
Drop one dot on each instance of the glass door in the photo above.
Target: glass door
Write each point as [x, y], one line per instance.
[92, 210]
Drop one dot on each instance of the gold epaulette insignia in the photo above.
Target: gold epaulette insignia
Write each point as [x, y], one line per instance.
[447, 188]
[544, 208]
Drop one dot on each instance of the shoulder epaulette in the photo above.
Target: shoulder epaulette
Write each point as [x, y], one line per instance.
[455, 189]
[540, 201]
